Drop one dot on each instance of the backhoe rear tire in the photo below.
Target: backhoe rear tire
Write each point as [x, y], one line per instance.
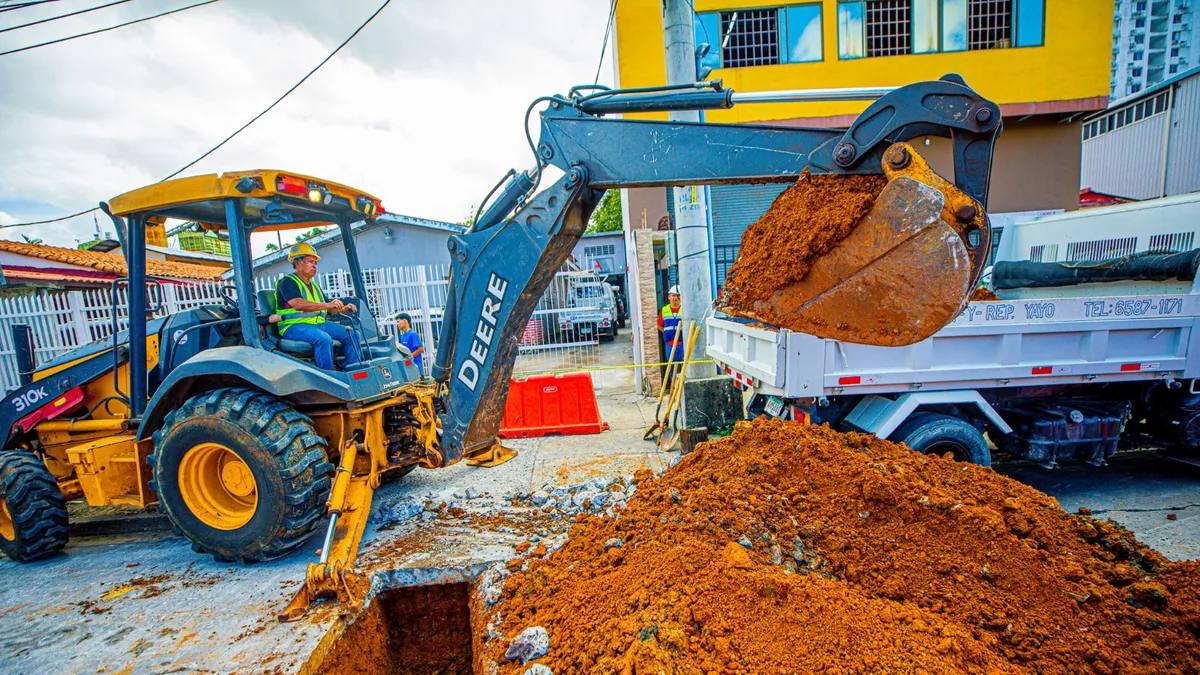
[241, 474]
[33, 513]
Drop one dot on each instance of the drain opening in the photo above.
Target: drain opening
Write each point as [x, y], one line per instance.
[420, 630]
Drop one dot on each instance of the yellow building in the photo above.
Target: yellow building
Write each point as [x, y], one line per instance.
[1045, 62]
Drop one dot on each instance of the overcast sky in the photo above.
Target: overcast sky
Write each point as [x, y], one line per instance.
[423, 109]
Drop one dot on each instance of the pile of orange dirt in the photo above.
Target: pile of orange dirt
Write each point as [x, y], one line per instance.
[804, 223]
[983, 294]
[789, 548]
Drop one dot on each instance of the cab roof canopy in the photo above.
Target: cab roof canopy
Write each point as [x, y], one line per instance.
[270, 199]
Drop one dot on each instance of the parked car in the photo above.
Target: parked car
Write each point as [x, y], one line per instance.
[592, 312]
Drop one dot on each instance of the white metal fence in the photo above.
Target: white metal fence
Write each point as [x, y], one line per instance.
[64, 320]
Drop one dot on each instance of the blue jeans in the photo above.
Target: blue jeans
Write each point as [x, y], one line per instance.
[321, 337]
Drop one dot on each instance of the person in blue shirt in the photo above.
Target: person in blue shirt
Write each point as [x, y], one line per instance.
[407, 337]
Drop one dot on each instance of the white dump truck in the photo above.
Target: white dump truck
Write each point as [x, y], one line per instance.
[1094, 338]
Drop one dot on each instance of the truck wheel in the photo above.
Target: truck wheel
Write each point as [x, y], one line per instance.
[241, 474]
[936, 434]
[33, 513]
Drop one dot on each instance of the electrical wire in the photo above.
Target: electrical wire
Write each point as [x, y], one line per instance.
[247, 124]
[63, 16]
[612, 12]
[285, 94]
[24, 5]
[105, 30]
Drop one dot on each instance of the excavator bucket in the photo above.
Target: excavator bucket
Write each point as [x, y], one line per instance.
[879, 260]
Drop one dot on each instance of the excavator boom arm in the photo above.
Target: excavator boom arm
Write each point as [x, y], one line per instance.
[501, 267]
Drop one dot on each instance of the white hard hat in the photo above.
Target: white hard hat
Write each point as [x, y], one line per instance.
[674, 291]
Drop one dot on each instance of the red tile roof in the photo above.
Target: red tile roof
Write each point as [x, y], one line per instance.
[110, 262]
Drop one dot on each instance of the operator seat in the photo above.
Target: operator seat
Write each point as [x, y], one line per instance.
[266, 303]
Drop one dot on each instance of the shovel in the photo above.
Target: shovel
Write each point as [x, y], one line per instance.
[650, 435]
[670, 434]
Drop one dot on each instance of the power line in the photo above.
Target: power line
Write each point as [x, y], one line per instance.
[23, 5]
[285, 94]
[240, 129]
[62, 16]
[105, 30]
[612, 11]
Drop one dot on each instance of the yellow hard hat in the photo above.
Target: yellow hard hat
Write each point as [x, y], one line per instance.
[300, 250]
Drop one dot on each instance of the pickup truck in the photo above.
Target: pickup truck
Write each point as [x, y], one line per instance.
[591, 313]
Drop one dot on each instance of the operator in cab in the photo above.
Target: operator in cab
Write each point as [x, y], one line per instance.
[670, 320]
[303, 306]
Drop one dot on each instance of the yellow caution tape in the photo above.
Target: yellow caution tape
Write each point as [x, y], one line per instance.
[597, 368]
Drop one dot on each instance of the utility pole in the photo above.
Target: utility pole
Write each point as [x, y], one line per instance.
[691, 206]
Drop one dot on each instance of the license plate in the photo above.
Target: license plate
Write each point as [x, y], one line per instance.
[774, 406]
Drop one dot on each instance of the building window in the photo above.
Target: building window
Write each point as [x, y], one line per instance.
[1178, 18]
[1173, 68]
[893, 27]
[1139, 39]
[888, 27]
[1136, 72]
[1137, 56]
[802, 24]
[1139, 6]
[1139, 23]
[750, 37]
[760, 37]
[1174, 52]
[1135, 88]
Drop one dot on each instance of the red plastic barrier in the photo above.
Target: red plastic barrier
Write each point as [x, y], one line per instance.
[551, 404]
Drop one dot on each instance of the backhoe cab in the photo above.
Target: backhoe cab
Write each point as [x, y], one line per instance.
[239, 438]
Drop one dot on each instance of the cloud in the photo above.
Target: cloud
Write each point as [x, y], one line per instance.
[423, 109]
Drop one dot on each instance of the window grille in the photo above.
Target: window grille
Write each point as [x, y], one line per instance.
[889, 27]
[989, 24]
[750, 37]
[597, 251]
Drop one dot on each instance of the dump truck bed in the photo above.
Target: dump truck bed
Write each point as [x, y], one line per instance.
[1027, 342]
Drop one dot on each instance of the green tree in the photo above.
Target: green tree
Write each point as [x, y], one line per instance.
[272, 247]
[310, 234]
[29, 240]
[607, 216]
[470, 219]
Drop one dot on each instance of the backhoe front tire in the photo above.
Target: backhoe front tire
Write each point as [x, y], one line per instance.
[33, 513]
[241, 474]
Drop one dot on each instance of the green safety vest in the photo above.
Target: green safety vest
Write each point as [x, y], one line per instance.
[311, 293]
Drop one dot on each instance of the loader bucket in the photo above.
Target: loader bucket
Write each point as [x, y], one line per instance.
[860, 258]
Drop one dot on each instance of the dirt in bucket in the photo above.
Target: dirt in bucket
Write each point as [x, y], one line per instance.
[804, 223]
[789, 548]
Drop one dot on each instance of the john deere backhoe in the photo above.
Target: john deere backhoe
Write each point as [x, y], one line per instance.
[250, 449]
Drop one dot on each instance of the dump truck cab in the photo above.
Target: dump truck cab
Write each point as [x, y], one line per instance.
[230, 428]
